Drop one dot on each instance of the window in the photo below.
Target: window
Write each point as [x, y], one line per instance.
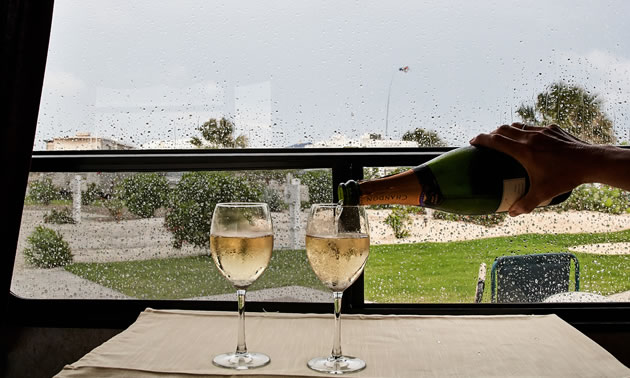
[146, 234]
[216, 76]
[143, 75]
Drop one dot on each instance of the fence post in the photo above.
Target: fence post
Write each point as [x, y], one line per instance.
[76, 199]
[292, 196]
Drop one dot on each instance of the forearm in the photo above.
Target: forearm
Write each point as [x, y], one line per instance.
[609, 165]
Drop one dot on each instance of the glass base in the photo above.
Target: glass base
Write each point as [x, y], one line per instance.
[241, 361]
[339, 365]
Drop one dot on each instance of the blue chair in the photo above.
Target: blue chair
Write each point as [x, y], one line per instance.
[532, 278]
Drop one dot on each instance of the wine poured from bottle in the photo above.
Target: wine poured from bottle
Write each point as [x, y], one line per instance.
[468, 180]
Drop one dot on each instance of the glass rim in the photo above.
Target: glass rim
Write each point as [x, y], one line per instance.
[241, 204]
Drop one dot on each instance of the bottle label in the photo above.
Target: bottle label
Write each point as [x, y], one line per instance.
[385, 198]
[513, 190]
[431, 195]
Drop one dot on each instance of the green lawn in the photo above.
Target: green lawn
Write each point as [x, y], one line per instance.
[447, 272]
[405, 273]
[189, 277]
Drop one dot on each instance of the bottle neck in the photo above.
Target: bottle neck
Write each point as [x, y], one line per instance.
[399, 189]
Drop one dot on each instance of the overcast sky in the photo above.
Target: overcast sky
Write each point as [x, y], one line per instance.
[291, 72]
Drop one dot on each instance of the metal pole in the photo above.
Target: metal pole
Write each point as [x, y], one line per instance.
[389, 92]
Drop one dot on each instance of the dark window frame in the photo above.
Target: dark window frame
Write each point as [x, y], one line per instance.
[345, 163]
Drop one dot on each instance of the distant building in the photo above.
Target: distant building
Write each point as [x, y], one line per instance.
[85, 141]
[366, 140]
[177, 144]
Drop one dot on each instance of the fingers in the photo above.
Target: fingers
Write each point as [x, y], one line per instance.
[524, 205]
[513, 131]
[562, 135]
[525, 127]
[497, 142]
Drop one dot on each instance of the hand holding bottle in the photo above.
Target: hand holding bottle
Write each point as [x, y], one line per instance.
[556, 161]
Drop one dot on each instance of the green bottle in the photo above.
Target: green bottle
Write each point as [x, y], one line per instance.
[468, 180]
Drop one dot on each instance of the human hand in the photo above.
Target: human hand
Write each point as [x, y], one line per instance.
[555, 160]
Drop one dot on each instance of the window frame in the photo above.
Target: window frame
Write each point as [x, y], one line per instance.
[345, 163]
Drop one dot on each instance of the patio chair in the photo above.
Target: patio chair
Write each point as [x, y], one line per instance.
[532, 278]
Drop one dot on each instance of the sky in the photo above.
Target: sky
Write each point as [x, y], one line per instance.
[289, 72]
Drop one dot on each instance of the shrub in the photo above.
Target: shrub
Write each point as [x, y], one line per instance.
[144, 193]
[488, 220]
[65, 194]
[91, 194]
[602, 198]
[114, 204]
[319, 183]
[192, 203]
[115, 207]
[63, 216]
[47, 249]
[43, 191]
[399, 219]
[274, 199]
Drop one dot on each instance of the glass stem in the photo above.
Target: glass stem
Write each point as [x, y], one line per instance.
[336, 351]
[241, 348]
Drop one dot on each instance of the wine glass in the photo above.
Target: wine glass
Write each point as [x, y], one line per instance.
[241, 242]
[337, 246]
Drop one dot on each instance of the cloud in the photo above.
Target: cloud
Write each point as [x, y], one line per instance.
[604, 73]
[63, 83]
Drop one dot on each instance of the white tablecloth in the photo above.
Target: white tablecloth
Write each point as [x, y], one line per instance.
[182, 343]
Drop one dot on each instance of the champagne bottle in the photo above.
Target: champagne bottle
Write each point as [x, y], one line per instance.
[468, 180]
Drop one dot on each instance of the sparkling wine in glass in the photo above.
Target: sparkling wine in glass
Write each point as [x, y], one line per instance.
[337, 246]
[241, 242]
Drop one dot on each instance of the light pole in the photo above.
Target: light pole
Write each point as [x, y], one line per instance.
[389, 94]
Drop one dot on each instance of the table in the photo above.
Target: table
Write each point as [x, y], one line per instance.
[174, 343]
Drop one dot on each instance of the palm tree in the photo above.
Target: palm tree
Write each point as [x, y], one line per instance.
[217, 134]
[424, 138]
[572, 108]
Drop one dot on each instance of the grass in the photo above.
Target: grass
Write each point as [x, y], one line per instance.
[403, 273]
[189, 277]
[447, 272]
[57, 202]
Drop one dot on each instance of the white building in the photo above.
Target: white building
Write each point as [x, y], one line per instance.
[85, 141]
[177, 144]
[366, 140]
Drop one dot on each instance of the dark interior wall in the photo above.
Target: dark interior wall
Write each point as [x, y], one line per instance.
[42, 352]
[614, 341]
[25, 30]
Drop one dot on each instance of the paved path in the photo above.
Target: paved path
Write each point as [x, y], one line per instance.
[279, 294]
[57, 283]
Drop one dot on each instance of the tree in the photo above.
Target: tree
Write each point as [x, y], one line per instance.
[218, 134]
[144, 193]
[424, 138]
[572, 108]
[192, 201]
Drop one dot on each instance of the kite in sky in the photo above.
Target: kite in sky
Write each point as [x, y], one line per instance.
[404, 69]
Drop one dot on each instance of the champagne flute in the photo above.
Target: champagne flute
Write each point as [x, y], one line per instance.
[337, 246]
[241, 242]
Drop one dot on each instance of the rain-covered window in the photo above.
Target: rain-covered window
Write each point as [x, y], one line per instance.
[577, 251]
[192, 75]
[147, 235]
